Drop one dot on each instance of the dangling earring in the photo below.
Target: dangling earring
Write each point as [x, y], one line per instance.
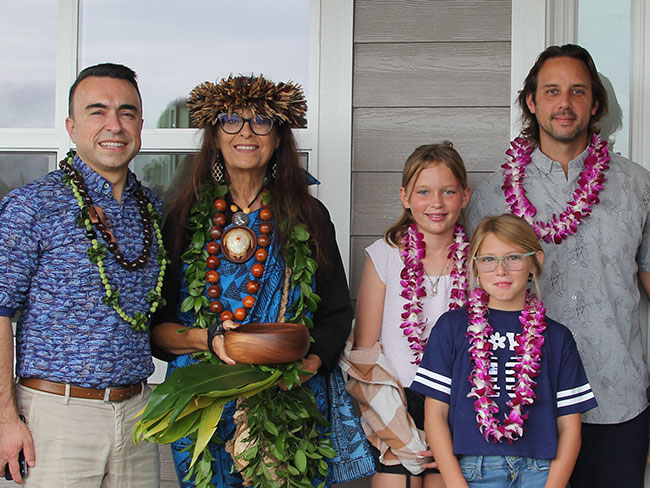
[478, 282]
[217, 169]
[274, 169]
[531, 278]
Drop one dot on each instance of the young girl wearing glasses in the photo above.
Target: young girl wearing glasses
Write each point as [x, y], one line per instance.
[504, 383]
[412, 276]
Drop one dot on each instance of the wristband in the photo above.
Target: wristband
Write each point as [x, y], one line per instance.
[213, 331]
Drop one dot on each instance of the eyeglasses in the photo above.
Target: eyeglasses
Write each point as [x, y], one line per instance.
[233, 123]
[512, 262]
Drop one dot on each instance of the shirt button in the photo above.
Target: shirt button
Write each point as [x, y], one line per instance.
[107, 186]
[574, 297]
[574, 261]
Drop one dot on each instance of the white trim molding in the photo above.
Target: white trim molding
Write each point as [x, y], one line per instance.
[640, 82]
[528, 40]
[335, 116]
[66, 70]
[562, 22]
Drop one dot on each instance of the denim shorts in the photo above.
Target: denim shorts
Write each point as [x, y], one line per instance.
[504, 471]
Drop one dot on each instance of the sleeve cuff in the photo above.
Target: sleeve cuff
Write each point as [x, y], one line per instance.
[7, 312]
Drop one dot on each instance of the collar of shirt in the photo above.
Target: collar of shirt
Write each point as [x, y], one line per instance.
[546, 166]
[97, 183]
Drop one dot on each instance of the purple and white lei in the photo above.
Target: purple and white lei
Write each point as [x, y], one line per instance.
[529, 353]
[412, 278]
[585, 195]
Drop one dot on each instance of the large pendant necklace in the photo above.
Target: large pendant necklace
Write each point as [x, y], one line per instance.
[585, 195]
[237, 245]
[414, 250]
[529, 353]
[238, 242]
[92, 215]
[205, 224]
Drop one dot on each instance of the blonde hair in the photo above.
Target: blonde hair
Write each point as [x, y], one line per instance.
[422, 158]
[507, 228]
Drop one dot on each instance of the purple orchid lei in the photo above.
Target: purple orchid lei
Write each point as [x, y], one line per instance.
[529, 352]
[585, 195]
[412, 279]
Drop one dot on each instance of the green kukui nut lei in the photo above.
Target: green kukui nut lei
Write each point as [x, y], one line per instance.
[294, 457]
[97, 253]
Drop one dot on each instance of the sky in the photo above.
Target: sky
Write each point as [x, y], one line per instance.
[173, 46]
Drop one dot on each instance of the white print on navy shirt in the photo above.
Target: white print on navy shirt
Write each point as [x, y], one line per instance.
[499, 342]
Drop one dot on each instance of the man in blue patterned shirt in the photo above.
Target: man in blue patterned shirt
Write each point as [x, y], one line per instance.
[82, 348]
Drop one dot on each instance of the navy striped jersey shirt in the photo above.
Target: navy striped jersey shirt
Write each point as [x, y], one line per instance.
[562, 386]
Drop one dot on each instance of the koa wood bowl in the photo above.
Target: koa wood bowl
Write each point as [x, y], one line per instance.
[267, 343]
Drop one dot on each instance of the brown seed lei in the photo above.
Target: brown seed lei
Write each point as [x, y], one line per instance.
[97, 252]
[104, 231]
[257, 270]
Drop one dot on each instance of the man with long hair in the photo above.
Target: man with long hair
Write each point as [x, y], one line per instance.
[590, 208]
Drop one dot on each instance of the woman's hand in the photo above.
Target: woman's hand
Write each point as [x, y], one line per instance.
[427, 454]
[218, 342]
[310, 363]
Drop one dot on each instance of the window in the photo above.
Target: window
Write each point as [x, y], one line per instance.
[180, 44]
[54, 36]
[28, 57]
[16, 169]
[173, 46]
[611, 54]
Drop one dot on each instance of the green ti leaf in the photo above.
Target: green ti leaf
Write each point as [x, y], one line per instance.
[207, 427]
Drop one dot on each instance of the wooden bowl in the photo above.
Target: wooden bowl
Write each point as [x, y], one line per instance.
[267, 343]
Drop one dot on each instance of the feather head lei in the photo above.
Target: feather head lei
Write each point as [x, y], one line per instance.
[285, 102]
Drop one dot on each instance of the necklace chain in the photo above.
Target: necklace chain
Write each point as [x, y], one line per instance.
[585, 195]
[247, 209]
[434, 285]
[529, 353]
[97, 219]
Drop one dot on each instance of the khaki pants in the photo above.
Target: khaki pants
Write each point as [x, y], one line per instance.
[87, 443]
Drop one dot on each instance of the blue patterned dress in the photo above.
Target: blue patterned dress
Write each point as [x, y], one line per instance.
[353, 456]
